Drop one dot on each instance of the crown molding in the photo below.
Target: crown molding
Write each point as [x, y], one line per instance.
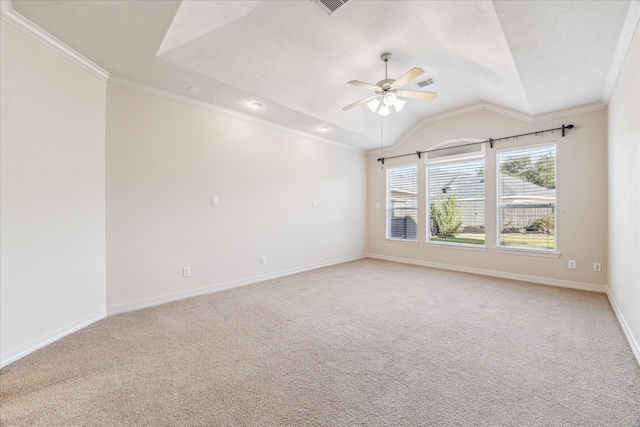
[555, 115]
[528, 118]
[624, 42]
[10, 16]
[181, 99]
[569, 112]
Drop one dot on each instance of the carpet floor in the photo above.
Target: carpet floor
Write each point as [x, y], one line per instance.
[365, 343]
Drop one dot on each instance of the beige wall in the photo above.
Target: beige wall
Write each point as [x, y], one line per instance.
[581, 192]
[165, 161]
[53, 195]
[624, 193]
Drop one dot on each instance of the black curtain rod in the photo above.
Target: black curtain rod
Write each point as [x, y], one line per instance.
[491, 141]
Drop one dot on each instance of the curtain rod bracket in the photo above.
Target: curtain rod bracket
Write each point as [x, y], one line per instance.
[491, 142]
[381, 160]
[419, 154]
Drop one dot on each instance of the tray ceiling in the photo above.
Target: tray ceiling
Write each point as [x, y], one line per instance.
[529, 57]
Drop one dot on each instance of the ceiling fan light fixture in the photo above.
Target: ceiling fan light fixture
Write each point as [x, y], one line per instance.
[382, 106]
[389, 99]
[373, 105]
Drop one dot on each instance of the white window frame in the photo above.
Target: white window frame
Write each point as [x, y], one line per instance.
[454, 159]
[388, 203]
[499, 212]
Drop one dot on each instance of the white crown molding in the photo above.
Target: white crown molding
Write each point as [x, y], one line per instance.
[518, 115]
[555, 115]
[479, 107]
[181, 99]
[569, 112]
[8, 15]
[624, 42]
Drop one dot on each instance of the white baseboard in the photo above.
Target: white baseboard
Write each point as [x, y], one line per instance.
[12, 356]
[163, 299]
[625, 327]
[501, 274]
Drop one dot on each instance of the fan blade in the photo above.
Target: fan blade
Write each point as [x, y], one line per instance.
[407, 77]
[363, 84]
[362, 101]
[416, 94]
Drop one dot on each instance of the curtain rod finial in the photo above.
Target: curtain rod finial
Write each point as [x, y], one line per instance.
[566, 127]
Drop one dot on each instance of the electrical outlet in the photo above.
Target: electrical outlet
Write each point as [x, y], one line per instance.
[186, 271]
[263, 259]
[597, 266]
[572, 264]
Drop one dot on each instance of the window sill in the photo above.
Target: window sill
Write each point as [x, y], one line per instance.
[402, 242]
[476, 248]
[528, 252]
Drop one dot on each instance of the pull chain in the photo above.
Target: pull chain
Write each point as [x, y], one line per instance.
[382, 138]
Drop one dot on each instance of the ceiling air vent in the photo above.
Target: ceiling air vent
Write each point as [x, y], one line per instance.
[426, 82]
[330, 6]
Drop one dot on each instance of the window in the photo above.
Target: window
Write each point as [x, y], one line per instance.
[402, 202]
[527, 198]
[455, 200]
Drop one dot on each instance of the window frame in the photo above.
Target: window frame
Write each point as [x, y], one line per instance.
[526, 249]
[388, 209]
[455, 159]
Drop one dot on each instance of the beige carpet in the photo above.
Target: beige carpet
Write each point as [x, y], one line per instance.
[367, 343]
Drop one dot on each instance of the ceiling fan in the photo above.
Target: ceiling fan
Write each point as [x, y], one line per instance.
[388, 91]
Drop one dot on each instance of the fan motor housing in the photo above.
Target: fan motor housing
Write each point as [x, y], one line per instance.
[385, 84]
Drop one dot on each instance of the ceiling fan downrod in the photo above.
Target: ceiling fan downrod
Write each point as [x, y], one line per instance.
[385, 58]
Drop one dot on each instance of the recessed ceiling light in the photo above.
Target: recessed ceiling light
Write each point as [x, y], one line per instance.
[255, 105]
[193, 89]
[324, 128]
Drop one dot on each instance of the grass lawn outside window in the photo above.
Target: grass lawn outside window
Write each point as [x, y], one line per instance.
[520, 240]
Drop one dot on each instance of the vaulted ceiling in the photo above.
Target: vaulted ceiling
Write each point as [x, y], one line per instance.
[529, 57]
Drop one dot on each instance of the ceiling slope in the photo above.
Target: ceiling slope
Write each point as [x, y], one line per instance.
[529, 57]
